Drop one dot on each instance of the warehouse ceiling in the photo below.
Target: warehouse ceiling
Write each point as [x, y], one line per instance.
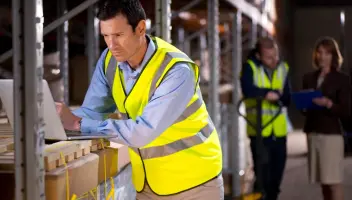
[197, 20]
[149, 5]
[309, 3]
[78, 23]
[50, 5]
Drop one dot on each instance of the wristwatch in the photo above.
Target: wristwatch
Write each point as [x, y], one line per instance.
[79, 124]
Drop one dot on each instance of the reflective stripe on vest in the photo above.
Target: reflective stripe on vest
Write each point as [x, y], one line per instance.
[174, 161]
[190, 110]
[166, 61]
[110, 71]
[179, 145]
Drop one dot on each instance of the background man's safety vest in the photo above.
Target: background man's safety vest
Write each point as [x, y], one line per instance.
[261, 80]
[185, 155]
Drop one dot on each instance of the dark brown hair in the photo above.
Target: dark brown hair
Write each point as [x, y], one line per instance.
[131, 9]
[265, 43]
[332, 47]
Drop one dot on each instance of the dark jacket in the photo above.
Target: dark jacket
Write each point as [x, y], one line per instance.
[336, 87]
[249, 90]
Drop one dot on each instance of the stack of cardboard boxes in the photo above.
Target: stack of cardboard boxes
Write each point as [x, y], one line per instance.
[83, 169]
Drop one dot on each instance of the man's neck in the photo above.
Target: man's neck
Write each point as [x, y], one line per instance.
[137, 58]
[270, 68]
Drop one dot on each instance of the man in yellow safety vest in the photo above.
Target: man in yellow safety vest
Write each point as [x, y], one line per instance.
[265, 75]
[173, 145]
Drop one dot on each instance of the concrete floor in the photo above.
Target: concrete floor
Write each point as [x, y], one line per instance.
[295, 184]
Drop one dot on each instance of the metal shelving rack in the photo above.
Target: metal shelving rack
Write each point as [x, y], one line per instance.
[28, 74]
[28, 32]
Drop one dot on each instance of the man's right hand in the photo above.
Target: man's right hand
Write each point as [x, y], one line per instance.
[272, 96]
[69, 120]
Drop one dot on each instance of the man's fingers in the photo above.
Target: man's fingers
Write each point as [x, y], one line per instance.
[59, 108]
[115, 116]
[59, 103]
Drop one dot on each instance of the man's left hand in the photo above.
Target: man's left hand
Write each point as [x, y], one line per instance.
[69, 120]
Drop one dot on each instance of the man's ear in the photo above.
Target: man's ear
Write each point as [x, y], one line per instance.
[141, 27]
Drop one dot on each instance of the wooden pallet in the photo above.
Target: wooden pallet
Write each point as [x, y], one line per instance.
[55, 155]
[6, 129]
[98, 144]
[7, 160]
[70, 150]
[63, 152]
[6, 144]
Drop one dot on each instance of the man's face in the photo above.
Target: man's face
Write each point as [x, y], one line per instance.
[121, 40]
[269, 57]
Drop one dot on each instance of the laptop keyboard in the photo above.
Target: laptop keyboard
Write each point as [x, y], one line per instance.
[73, 133]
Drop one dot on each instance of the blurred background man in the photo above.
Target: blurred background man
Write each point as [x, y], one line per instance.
[264, 75]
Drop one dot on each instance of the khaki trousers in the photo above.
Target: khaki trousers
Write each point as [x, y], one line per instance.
[212, 190]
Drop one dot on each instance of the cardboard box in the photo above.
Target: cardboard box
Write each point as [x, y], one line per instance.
[111, 163]
[123, 157]
[83, 177]
[116, 157]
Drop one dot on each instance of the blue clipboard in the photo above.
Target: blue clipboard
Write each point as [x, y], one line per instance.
[304, 99]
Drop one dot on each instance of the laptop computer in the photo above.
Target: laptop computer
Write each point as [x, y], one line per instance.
[54, 129]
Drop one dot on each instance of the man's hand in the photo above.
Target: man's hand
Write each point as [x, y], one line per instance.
[115, 116]
[272, 96]
[323, 101]
[69, 120]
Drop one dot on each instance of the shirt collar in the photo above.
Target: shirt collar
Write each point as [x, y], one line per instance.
[150, 50]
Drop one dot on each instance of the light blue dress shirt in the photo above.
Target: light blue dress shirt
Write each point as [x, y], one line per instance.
[166, 105]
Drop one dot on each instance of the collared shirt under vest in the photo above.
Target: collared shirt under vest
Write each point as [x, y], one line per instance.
[276, 82]
[185, 155]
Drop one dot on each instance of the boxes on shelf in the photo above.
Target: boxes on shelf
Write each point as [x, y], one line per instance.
[67, 160]
[116, 157]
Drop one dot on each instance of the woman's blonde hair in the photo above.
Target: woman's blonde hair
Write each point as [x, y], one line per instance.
[332, 47]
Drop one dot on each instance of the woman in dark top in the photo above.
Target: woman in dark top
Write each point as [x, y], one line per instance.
[323, 127]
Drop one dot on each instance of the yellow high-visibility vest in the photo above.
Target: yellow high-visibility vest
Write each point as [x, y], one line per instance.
[185, 155]
[261, 80]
